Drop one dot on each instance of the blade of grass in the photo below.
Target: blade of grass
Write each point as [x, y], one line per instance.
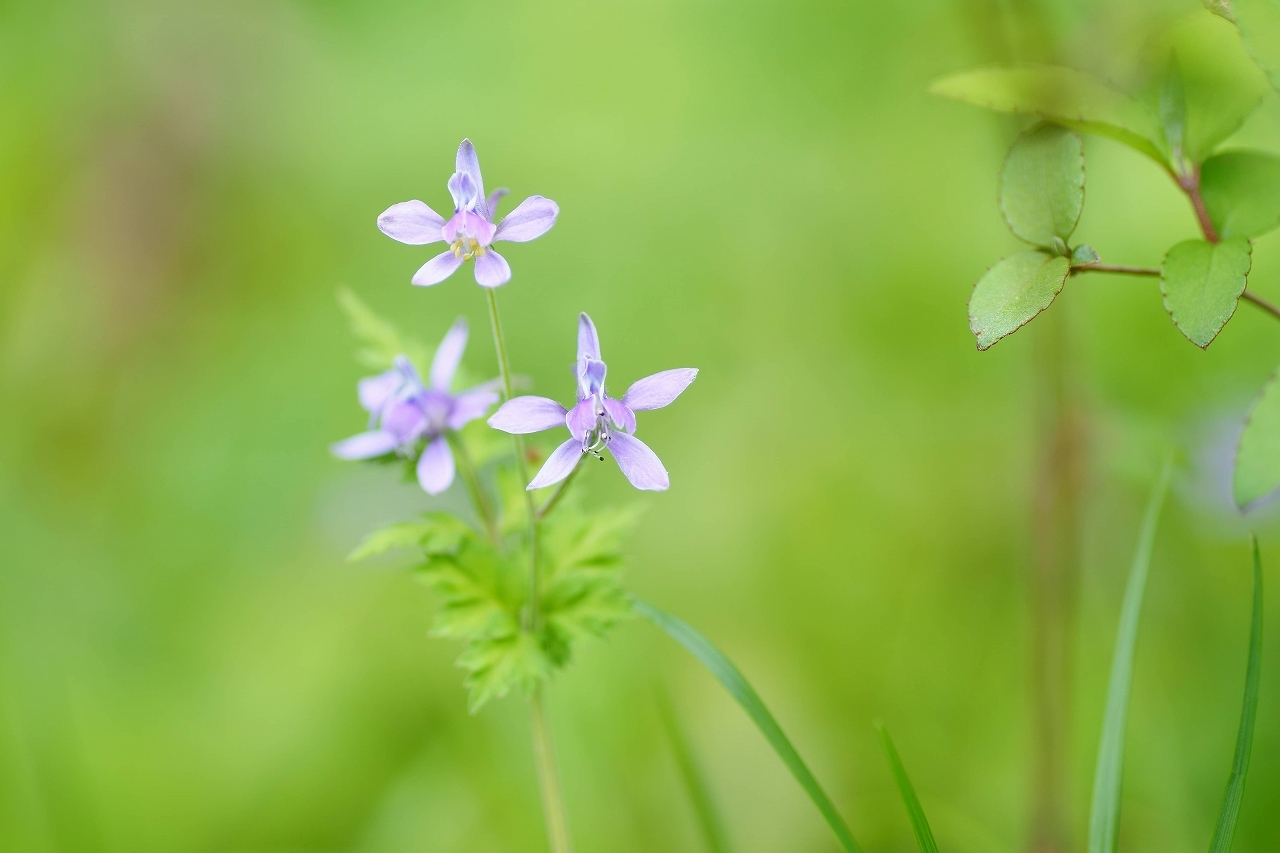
[1226, 828]
[919, 823]
[1104, 815]
[695, 781]
[731, 679]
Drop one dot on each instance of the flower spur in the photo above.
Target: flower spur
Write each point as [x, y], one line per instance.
[471, 231]
[402, 411]
[598, 422]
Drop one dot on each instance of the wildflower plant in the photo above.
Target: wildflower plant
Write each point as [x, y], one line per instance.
[532, 570]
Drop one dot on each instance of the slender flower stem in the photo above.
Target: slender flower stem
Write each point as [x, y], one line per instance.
[543, 749]
[557, 494]
[471, 476]
[549, 778]
[504, 367]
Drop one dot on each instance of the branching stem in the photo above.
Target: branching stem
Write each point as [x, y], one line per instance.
[543, 749]
[1098, 266]
[557, 494]
[471, 476]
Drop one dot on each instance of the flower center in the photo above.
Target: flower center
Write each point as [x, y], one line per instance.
[599, 437]
[466, 247]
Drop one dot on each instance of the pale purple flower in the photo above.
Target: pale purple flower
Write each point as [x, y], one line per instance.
[403, 411]
[598, 422]
[471, 230]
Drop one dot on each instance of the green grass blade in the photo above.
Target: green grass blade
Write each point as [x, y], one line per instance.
[1226, 828]
[695, 781]
[728, 676]
[1104, 815]
[919, 823]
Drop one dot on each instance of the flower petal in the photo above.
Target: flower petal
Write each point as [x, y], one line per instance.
[524, 415]
[366, 445]
[533, 218]
[492, 202]
[581, 419]
[640, 465]
[471, 225]
[404, 419]
[375, 391]
[464, 192]
[411, 222]
[468, 162]
[622, 417]
[559, 465]
[658, 390]
[437, 269]
[435, 467]
[492, 270]
[410, 373]
[588, 340]
[470, 405]
[448, 355]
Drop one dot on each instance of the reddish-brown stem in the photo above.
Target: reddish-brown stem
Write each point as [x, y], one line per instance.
[1190, 184]
[1269, 307]
[1116, 268]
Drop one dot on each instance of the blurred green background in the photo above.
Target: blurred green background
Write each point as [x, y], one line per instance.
[759, 189]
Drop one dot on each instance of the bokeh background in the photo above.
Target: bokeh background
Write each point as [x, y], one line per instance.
[760, 189]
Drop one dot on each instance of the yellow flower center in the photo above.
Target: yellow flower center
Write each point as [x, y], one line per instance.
[467, 248]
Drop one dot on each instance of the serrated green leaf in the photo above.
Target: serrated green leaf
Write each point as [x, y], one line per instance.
[1241, 190]
[1104, 814]
[496, 665]
[1042, 184]
[1063, 95]
[742, 692]
[1259, 22]
[1225, 830]
[482, 590]
[1221, 83]
[1202, 283]
[434, 533]
[1012, 292]
[1257, 469]
[382, 341]
[919, 823]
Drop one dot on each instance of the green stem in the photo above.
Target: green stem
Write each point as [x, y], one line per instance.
[557, 494]
[543, 748]
[471, 476]
[504, 367]
[549, 778]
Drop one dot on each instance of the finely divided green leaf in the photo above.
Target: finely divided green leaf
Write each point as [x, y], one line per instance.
[1062, 95]
[1013, 291]
[1259, 22]
[499, 663]
[919, 823]
[731, 679]
[1104, 814]
[695, 781]
[1241, 190]
[1202, 283]
[1042, 184]
[434, 533]
[382, 342]
[1226, 828]
[1257, 472]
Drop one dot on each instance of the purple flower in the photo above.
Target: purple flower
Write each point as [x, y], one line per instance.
[402, 411]
[598, 422]
[471, 230]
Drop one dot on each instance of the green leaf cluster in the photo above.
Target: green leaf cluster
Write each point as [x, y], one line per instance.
[482, 587]
[1203, 81]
